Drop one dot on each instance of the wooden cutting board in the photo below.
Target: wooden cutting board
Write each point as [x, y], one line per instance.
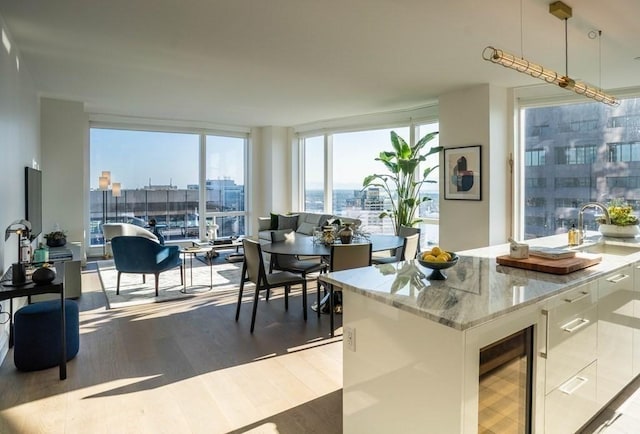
[554, 266]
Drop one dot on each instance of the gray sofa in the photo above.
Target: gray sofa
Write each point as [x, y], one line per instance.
[302, 223]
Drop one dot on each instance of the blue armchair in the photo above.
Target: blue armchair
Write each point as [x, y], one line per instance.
[140, 255]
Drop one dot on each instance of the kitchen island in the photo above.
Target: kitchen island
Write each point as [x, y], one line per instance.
[412, 346]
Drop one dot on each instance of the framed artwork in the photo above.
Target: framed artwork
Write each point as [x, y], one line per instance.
[463, 173]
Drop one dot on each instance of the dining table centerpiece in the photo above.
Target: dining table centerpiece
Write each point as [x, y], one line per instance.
[624, 223]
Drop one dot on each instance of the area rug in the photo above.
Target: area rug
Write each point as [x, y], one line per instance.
[226, 276]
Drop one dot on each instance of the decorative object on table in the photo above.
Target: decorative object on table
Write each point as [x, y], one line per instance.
[22, 228]
[56, 238]
[43, 275]
[624, 224]
[462, 173]
[41, 254]
[328, 234]
[437, 259]
[401, 184]
[346, 233]
[18, 273]
[518, 250]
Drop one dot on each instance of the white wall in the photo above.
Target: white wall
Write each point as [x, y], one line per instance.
[65, 141]
[271, 171]
[476, 116]
[19, 147]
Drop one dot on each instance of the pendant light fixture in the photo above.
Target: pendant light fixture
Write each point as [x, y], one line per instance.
[520, 64]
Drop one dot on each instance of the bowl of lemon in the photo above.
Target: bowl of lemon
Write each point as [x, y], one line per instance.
[437, 260]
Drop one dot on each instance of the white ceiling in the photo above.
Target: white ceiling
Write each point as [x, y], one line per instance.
[290, 62]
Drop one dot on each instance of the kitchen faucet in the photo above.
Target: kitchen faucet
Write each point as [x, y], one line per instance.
[581, 217]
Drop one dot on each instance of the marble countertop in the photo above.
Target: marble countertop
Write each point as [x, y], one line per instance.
[477, 289]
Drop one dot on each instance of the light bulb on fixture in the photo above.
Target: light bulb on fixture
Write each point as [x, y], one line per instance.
[520, 64]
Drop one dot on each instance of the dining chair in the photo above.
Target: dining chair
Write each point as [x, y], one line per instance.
[293, 263]
[253, 270]
[344, 257]
[408, 251]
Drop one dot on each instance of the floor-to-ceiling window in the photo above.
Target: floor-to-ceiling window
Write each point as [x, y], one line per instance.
[136, 176]
[225, 186]
[573, 154]
[352, 156]
[314, 174]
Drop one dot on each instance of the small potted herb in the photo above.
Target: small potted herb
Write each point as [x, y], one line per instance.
[56, 238]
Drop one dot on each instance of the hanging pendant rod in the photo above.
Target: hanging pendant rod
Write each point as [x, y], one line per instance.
[520, 64]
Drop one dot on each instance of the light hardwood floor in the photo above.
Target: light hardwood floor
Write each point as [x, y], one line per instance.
[188, 367]
[184, 367]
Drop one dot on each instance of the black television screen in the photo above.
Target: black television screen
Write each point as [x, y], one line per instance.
[33, 199]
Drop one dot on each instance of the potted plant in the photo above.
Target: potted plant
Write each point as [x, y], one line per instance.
[403, 183]
[623, 222]
[56, 238]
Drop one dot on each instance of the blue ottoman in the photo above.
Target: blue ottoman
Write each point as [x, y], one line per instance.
[37, 334]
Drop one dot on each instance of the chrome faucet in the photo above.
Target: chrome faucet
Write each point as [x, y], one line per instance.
[581, 217]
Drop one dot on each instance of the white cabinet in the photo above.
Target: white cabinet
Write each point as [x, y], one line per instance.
[615, 332]
[571, 334]
[636, 319]
[573, 403]
[571, 351]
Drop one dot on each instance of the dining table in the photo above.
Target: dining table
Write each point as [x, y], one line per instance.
[304, 245]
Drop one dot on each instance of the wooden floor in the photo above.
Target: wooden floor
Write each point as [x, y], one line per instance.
[188, 367]
[621, 416]
[184, 367]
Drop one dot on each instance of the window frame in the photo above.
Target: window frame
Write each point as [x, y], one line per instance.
[413, 124]
[126, 124]
[539, 97]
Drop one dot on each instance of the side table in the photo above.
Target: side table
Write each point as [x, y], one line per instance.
[193, 252]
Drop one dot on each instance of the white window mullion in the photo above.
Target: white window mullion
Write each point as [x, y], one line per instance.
[202, 182]
[328, 173]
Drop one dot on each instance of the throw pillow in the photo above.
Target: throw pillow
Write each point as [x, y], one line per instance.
[274, 221]
[306, 228]
[288, 222]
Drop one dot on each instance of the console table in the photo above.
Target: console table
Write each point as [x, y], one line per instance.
[8, 291]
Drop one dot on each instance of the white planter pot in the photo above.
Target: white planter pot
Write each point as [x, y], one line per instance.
[619, 231]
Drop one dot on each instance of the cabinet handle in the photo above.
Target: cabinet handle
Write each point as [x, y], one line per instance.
[617, 278]
[579, 382]
[545, 353]
[581, 323]
[582, 295]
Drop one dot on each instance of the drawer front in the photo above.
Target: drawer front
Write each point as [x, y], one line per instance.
[573, 403]
[572, 335]
[615, 333]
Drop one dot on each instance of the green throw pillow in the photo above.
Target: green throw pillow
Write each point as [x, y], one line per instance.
[274, 222]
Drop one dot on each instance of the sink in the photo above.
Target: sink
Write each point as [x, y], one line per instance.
[608, 249]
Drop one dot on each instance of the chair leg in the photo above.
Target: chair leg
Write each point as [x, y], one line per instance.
[118, 284]
[239, 299]
[255, 308]
[286, 297]
[157, 275]
[304, 299]
[144, 278]
[331, 308]
[318, 285]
